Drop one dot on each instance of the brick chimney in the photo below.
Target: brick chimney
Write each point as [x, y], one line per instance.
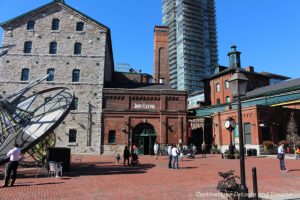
[250, 69]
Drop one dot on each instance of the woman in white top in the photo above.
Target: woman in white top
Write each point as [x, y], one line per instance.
[156, 147]
[175, 153]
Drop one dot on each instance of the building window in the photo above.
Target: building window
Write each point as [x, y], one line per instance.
[218, 101]
[217, 87]
[47, 99]
[74, 105]
[55, 24]
[30, 25]
[79, 26]
[227, 99]
[112, 137]
[25, 74]
[72, 135]
[53, 48]
[247, 133]
[226, 84]
[77, 48]
[51, 73]
[75, 75]
[27, 47]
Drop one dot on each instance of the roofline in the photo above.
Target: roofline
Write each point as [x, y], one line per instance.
[279, 91]
[274, 75]
[232, 69]
[52, 3]
[184, 92]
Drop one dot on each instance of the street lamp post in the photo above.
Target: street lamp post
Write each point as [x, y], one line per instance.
[238, 84]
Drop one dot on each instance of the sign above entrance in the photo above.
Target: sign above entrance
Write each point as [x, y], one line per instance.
[144, 106]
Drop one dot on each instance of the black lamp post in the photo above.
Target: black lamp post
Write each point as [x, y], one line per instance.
[238, 84]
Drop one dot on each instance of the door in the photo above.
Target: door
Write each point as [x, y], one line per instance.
[143, 135]
[140, 145]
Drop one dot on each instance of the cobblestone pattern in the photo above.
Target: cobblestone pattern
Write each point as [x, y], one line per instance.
[99, 177]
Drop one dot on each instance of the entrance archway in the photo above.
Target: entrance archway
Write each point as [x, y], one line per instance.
[144, 136]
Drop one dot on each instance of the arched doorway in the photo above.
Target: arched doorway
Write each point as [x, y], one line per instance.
[144, 136]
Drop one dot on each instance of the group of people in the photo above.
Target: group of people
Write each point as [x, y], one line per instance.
[173, 153]
[127, 155]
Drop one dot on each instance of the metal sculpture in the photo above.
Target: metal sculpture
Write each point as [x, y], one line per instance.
[28, 117]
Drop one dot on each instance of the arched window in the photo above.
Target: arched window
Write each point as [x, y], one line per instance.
[75, 75]
[30, 25]
[227, 99]
[217, 87]
[74, 105]
[218, 101]
[72, 135]
[27, 47]
[53, 48]
[77, 48]
[79, 26]
[55, 24]
[51, 73]
[226, 84]
[25, 74]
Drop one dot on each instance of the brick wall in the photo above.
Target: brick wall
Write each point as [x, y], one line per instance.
[161, 54]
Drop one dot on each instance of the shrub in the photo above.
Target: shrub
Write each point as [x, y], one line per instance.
[228, 184]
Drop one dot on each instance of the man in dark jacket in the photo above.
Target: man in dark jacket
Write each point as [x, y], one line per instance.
[126, 155]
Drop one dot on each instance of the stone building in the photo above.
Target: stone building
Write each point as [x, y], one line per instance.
[76, 51]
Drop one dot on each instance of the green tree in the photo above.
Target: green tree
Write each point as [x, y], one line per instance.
[292, 130]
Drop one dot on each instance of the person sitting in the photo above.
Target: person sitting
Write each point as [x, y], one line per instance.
[298, 153]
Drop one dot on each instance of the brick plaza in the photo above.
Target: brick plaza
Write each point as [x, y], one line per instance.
[99, 177]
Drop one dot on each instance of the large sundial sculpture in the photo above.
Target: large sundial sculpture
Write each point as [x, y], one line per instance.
[27, 117]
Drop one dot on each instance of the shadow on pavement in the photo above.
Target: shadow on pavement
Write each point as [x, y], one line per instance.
[37, 184]
[188, 167]
[294, 170]
[85, 169]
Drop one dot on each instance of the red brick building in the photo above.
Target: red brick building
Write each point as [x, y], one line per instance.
[266, 108]
[142, 114]
[161, 54]
[220, 91]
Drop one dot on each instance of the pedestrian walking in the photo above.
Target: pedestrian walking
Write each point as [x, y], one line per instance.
[156, 148]
[280, 156]
[170, 155]
[12, 166]
[203, 148]
[175, 154]
[126, 155]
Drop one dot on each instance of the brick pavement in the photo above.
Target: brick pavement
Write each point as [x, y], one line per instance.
[98, 177]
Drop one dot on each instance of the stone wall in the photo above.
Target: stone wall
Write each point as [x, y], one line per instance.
[93, 61]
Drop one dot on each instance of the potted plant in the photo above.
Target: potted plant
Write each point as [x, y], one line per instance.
[228, 185]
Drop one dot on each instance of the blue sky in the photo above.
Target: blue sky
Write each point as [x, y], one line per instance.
[267, 32]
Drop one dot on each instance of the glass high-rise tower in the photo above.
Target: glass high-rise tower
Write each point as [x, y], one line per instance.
[192, 41]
